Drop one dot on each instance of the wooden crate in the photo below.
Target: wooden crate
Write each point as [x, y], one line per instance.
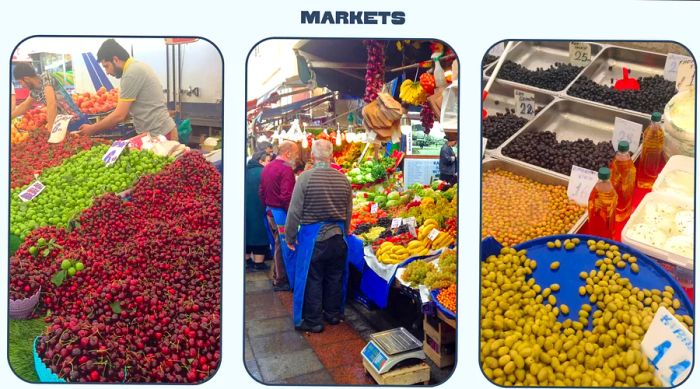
[408, 375]
[439, 341]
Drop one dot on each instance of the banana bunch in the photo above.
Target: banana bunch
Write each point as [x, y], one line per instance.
[391, 254]
[443, 240]
[418, 248]
[426, 228]
[412, 93]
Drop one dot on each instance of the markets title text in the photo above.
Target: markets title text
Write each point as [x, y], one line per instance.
[353, 17]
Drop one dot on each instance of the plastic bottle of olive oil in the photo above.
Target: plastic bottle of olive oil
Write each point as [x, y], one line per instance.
[622, 176]
[651, 160]
[601, 205]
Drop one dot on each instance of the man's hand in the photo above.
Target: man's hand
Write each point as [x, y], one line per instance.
[86, 129]
[291, 247]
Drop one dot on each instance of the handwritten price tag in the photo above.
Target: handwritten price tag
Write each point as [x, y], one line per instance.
[579, 53]
[59, 129]
[409, 221]
[524, 104]
[374, 208]
[412, 230]
[671, 66]
[685, 75]
[581, 184]
[32, 191]
[626, 130]
[396, 222]
[416, 198]
[669, 347]
[114, 152]
[433, 234]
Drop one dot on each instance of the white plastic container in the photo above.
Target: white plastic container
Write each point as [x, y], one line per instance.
[669, 180]
[680, 266]
[679, 124]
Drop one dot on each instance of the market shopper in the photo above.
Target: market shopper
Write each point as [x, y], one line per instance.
[448, 161]
[276, 187]
[140, 94]
[256, 241]
[318, 217]
[46, 90]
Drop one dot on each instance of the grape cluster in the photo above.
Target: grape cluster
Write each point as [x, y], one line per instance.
[362, 228]
[541, 148]
[652, 96]
[555, 78]
[427, 117]
[384, 222]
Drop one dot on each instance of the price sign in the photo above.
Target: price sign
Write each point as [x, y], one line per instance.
[626, 130]
[59, 129]
[409, 221]
[416, 198]
[497, 49]
[374, 208]
[114, 151]
[524, 104]
[669, 347]
[412, 230]
[671, 66]
[32, 191]
[579, 53]
[396, 222]
[685, 75]
[484, 141]
[581, 184]
[433, 234]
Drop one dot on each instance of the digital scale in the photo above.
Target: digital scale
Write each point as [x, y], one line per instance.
[387, 348]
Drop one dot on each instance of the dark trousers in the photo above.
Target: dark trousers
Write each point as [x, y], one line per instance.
[323, 294]
[449, 178]
[278, 272]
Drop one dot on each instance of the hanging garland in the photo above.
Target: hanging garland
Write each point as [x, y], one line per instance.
[374, 78]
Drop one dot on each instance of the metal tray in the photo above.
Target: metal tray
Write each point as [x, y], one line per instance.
[541, 54]
[607, 68]
[504, 93]
[572, 120]
[539, 175]
[612, 59]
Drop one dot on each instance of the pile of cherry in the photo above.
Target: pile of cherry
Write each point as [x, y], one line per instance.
[36, 154]
[146, 307]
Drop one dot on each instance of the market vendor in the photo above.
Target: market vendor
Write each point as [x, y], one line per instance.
[448, 161]
[276, 186]
[317, 222]
[43, 89]
[140, 94]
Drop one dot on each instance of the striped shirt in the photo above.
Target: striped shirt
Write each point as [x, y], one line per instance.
[321, 194]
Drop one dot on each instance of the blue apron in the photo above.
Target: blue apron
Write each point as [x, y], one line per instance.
[301, 261]
[280, 217]
[270, 236]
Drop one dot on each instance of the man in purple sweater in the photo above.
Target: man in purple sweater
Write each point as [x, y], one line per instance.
[276, 187]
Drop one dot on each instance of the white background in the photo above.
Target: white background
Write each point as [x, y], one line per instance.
[469, 27]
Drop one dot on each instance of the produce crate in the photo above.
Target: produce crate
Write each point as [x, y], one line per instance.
[439, 340]
[407, 375]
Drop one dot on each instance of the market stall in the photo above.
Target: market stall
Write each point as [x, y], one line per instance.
[587, 215]
[407, 230]
[115, 250]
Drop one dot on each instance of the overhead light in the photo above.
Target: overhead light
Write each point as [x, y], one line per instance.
[406, 126]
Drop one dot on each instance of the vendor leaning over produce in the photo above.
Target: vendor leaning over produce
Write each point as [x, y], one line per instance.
[318, 220]
[43, 89]
[448, 161]
[276, 186]
[140, 93]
